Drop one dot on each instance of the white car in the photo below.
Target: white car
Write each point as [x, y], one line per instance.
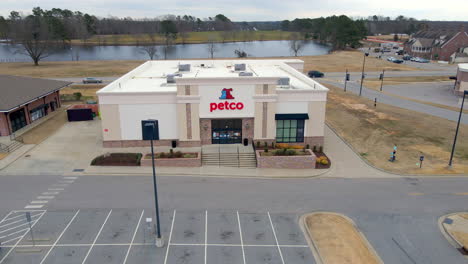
[391, 59]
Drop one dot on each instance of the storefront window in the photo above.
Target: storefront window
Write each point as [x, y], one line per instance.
[37, 113]
[290, 131]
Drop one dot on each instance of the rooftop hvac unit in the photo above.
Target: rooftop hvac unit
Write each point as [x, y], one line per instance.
[239, 67]
[245, 74]
[283, 81]
[184, 67]
[170, 77]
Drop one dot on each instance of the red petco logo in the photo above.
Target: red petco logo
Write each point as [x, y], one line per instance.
[226, 95]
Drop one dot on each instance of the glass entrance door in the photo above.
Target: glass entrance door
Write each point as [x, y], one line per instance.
[226, 131]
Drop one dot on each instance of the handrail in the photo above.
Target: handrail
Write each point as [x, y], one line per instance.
[255, 151]
[3, 148]
[219, 155]
[238, 158]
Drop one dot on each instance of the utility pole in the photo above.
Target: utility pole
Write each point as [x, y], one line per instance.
[381, 78]
[346, 79]
[456, 131]
[362, 74]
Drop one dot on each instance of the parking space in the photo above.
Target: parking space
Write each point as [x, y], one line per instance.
[128, 236]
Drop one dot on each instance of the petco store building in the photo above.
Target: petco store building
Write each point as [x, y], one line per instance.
[214, 102]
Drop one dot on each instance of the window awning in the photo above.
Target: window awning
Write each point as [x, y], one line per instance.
[291, 116]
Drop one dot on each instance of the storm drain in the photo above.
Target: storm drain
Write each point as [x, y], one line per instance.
[78, 170]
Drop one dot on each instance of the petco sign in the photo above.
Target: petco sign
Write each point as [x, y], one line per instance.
[221, 102]
[226, 94]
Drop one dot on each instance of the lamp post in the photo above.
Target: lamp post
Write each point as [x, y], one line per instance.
[159, 239]
[456, 131]
[381, 78]
[362, 75]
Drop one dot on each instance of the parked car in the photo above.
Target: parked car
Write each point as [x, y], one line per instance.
[315, 74]
[91, 80]
[415, 59]
[452, 77]
[377, 50]
[421, 60]
[407, 57]
[391, 59]
[398, 61]
[400, 52]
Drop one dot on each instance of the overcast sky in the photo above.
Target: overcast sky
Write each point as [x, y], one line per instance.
[252, 10]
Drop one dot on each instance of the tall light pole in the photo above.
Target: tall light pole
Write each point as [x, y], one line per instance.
[458, 126]
[362, 75]
[159, 239]
[381, 78]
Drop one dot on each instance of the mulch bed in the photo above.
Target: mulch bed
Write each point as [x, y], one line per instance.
[118, 159]
[321, 166]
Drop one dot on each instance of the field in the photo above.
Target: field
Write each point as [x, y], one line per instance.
[191, 38]
[87, 91]
[335, 62]
[374, 131]
[375, 83]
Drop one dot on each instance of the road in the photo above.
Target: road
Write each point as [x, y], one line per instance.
[398, 216]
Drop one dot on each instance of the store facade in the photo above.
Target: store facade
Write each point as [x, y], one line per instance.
[214, 102]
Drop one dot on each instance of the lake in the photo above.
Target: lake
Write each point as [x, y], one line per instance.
[188, 51]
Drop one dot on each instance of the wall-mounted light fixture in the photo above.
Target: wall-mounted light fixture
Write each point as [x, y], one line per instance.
[247, 126]
[205, 127]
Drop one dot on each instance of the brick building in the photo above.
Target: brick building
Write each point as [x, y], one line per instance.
[437, 44]
[24, 100]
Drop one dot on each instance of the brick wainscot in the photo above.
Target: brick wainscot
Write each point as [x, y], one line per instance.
[286, 162]
[174, 162]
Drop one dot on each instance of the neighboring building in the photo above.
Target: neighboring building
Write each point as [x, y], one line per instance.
[24, 100]
[214, 102]
[437, 44]
[462, 78]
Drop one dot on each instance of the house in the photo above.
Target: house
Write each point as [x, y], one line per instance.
[438, 44]
[25, 100]
[203, 102]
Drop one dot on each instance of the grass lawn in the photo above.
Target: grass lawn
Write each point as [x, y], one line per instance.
[338, 241]
[334, 62]
[38, 134]
[374, 131]
[87, 91]
[192, 37]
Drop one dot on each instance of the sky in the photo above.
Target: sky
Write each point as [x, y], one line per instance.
[252, 10]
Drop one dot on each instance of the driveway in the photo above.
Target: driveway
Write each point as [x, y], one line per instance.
[71, 147]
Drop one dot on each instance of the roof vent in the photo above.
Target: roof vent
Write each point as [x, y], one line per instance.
[170, 77]
[283, 81]
[239, 67]
[245, 74]
[184, 67]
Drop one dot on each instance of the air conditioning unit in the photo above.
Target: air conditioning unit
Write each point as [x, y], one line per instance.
[239, 67]
[245, 74]
[184, 67]
[170, 77]
[284, 81]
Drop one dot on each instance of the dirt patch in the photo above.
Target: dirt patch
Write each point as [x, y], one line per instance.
[41, 132]
[3, 155]
[373, 131]
[338, 241]
[117, 159]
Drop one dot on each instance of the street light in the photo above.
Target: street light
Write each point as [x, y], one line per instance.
[362, 75]
[458, 126]
[159, 239]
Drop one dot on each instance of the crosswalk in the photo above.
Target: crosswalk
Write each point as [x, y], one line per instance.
[15, 226]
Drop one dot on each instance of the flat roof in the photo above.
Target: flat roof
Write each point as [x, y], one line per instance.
[17, 90]
[463, 67]
[151, 76]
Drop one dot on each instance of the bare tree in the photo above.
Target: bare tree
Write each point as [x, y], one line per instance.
[212, 48]
[184, 35]
[296, 43]
[151, 50]
[34, 37]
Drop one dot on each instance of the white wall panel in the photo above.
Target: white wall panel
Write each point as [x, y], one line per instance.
[292, 108]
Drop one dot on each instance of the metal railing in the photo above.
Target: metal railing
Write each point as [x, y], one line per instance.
[3, 148]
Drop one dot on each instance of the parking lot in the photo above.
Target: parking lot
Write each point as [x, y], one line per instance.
[127, 236]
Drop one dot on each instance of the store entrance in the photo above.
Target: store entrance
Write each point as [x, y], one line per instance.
[226, 131]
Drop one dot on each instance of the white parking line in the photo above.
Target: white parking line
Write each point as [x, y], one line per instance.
[71, 181]
[240, 233]
[39, 202]
[133, 238]
[46, 197]
[60, 185]
[6, 217]
[206, 232]
[152, 244]
[95, 239]
[170, 237]
[60, 236]
[11, 228]
[70, 178]
[276, 238]
[237, 245]
[21, 215]
[55, 189]
[1, 237]
[50, 193]
[17, 221]
[36, 206]
[17, 242]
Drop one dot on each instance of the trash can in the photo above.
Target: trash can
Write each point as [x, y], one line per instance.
[174, 143]
[246, 141]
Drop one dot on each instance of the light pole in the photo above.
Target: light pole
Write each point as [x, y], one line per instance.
[381, 78]
[346, 79]
[362, 75]
[458, 126]
[159, 239]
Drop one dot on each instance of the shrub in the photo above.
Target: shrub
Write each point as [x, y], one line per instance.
[162, 155]
[77, 96]
[290, 152]
[171, 153]
[321, 149]
[307, 146]
[266, 149]
[273, 145]
[282, 145]
[118, 159]
[265, 144]
[178, 154]
[258, 144]
[324, 161]
[314, 149]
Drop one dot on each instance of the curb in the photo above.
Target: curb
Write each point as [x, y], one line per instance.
[451, 239]
[315, 251]
[389, 172]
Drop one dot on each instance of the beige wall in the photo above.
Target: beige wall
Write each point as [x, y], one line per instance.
[182, 121]
[316, 123]
[110, 116]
